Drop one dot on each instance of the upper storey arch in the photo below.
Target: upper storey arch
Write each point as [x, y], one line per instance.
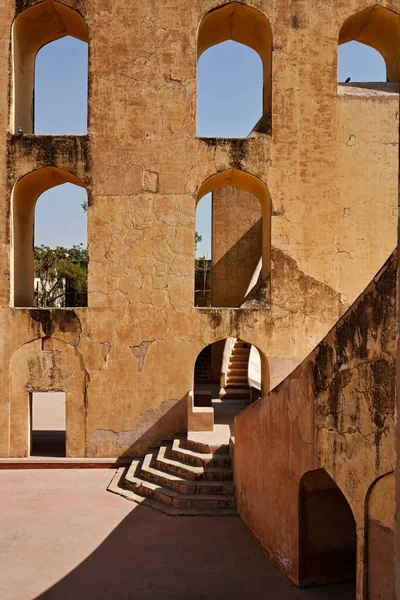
[25, 195]
[257, 188]
[245, 25]
[32, 29]
[379, 28]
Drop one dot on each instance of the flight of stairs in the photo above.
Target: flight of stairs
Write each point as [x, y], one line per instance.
[181, 477]
[237, 386]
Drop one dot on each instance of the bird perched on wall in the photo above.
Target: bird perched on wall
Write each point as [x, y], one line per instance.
[348, 80]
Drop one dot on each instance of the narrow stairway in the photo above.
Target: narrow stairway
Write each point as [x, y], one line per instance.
[237, 386]
[180, 478]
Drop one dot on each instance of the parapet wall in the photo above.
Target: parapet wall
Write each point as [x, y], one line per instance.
[335, 412]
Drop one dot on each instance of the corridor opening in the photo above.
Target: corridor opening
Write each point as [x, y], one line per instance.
[48, 424]
[327, 534]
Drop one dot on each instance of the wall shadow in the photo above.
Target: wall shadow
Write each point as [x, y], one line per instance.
[232, 274]
[150, 556]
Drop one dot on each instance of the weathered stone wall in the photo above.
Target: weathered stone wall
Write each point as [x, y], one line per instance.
[143, 165]
[336, 412]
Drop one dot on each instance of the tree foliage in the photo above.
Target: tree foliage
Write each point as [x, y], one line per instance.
[53, 265]
[200, 264]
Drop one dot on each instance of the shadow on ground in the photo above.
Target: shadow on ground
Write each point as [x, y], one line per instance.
[153, 556]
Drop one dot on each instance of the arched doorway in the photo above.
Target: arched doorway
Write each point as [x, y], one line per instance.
[47, 365]
[327, 532]
[229, 375]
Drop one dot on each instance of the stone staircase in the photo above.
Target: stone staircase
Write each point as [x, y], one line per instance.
[237, 386]
[182, 477]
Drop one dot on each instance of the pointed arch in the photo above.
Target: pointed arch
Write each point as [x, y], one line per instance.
[32, 29]
[379, 28]
[327, 531]
[34, 370]
[24, 197]
[254, 186]
[245, 25]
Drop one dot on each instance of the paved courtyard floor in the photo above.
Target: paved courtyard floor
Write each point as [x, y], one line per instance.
[62, 536]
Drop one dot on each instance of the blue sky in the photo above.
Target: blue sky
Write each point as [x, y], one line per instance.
[229, 105]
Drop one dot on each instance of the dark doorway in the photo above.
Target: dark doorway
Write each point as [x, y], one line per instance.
[327, 532]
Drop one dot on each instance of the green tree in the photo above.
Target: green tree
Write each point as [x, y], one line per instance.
[53, 265]
[200, 263]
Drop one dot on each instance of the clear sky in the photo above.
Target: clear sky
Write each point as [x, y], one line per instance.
[229, 105]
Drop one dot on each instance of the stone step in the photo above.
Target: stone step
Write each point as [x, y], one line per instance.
[176, 499]
[238, 368]
[199, 459]
[240, 344]
[240, 352]
[150, 473]
[230, 402]
[235, 392]
[238, 361]
[197, 446]
[164, 463]
[117, 486]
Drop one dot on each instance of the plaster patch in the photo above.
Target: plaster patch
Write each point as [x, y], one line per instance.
[140, 352]
[150, 181]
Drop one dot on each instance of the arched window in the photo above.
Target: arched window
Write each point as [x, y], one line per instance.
[49, 257]
[360, 63]
[327, 532]
[240, 239]
[34, 28]
[245, 26]
[61, 80]
[378, 28]
[229, 91]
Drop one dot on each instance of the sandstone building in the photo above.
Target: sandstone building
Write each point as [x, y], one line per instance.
[313, 194]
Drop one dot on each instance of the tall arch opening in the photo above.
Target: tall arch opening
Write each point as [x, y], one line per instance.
[229, 91]
[32, 30]
[47, 365]
[378, 28]
[44, 271]
[229, 374]
[246, 26]
[61, 87]
[327, 532]
[240, 238]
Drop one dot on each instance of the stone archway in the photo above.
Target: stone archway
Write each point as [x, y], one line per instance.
[37, 367]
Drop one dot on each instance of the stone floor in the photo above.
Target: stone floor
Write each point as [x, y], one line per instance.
[63, 536]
